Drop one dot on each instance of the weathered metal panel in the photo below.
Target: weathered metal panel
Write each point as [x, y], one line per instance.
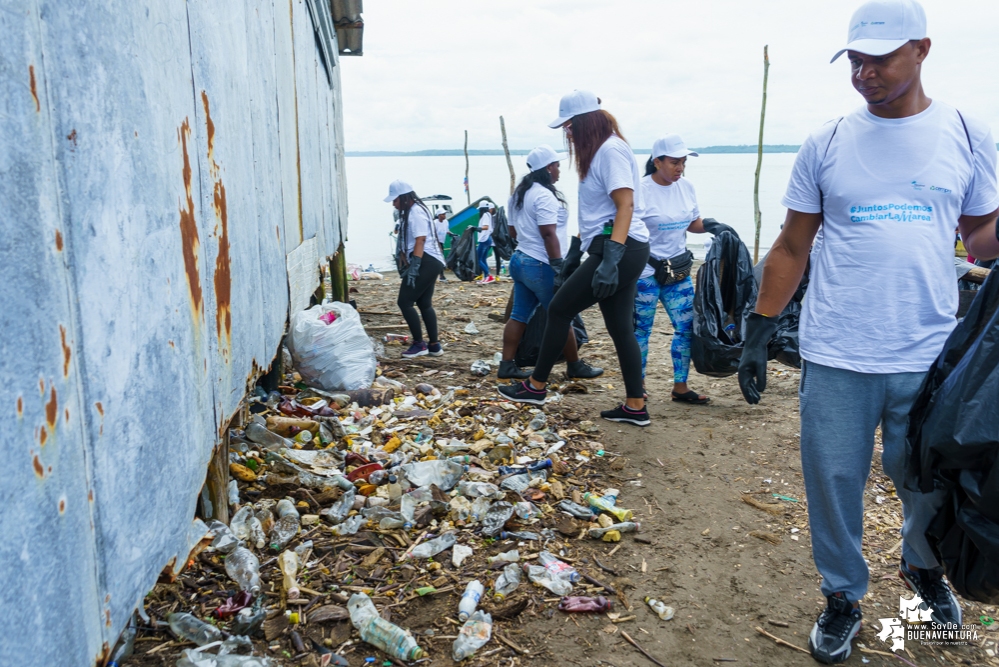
[287, 101]
[310, 170]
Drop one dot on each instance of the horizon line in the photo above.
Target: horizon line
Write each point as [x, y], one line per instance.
[451, 152]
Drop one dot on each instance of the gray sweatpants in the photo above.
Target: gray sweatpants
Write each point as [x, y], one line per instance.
[840, 411]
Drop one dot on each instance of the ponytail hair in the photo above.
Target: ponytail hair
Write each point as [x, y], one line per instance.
[540, 176]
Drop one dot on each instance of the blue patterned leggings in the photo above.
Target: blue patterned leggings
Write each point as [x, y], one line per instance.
[678, 300]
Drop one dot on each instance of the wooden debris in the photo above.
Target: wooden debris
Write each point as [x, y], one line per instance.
[767, 537]
[781, 642]
[771, 508]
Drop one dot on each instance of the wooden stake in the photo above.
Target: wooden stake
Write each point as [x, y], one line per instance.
[506, 151]
[759, 159]
[643, 651]
[468, 191]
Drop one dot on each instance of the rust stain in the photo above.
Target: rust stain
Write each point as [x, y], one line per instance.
[41, 386]
[100, 408]
[62, 506]
[58, 240]
[39, 469]
[90, 495]
[72, 137]
[34, 88]
[20, 406]
[210, 124]
[223, 272]
[52, 409]
[43, 436]
[277, 230]
[189, 230]
[170, 343]
[66, 352]
[66, 414]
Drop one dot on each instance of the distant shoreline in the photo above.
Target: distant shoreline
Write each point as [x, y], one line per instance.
[767, 148]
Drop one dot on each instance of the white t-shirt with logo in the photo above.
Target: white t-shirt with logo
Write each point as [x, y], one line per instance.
[667, 212]
[882, 296]
[613, 167]
[485, 220]
[540, 208]
[419, 225]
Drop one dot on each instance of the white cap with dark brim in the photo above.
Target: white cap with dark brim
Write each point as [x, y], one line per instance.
[575, 103]
[397, 188]
[880, 27]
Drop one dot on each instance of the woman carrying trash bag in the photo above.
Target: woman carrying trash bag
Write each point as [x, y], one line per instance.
[538, 219]
[618, 246]
[485, 240]
[669, 211]
[420, 262]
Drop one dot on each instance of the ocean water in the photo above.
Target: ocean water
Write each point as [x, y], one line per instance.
[724, 185]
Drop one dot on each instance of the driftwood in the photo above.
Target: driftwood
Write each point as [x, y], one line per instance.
[759, 160]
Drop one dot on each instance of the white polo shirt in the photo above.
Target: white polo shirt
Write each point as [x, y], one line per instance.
[882, 296]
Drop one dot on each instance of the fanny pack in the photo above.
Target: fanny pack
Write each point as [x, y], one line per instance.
[673, 270]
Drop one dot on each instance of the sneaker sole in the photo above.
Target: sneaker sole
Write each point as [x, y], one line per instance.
[845, 651]
[532, 401]
[933, 613]
[414, 356]
[436, 354]
[629, 420]
[583, 377]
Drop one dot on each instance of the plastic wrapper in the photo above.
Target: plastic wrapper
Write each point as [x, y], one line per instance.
[332, 356]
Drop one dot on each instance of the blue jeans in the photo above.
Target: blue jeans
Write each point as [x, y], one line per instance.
[840, 410]
[533, 284]
[678, 300]
[482, 254]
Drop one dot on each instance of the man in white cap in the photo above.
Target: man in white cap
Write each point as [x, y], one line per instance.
[485, 240]
[880, 191]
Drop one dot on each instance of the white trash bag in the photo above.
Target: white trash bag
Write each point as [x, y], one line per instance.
[333, 356]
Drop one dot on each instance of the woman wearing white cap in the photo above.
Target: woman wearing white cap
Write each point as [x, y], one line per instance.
[618, 246]
[485, 240]
[539, 219]
[420, 262]
[670, 211]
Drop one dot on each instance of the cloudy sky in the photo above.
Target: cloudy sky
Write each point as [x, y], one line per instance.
[433, 68]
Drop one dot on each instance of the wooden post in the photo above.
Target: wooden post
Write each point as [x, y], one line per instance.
[506, 151]
[759, 160]
[217, 482]
[468, 193]
[338, 276]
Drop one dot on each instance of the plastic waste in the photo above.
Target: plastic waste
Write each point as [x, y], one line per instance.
[624, 527]
[459, 553]
[233, 491]
[480, 368]
[248, 621]
[474, 634]
[470, 599]
[350, 526]
[539, 422]
[193, 629]
[334, 356]
[431, 548]
[606, 504]
[126, 644]
[257, 535]
[664, 611]
[193, 657]
[497, 516]
[470, 328]
[378, 632]
[289, 564]
[526, 510]
[238, 524]
[585, 605]
[287, 525]
[480, 490]
[560, 569]
[576, 510]
[338, 511]
[507, 582]
[520, 470]
[520, 535]
[224, 541]
[445, 474]
[243, 567]
[233, 605]
[520, 483]
[539, 575]
[266, 439]
[511, 556]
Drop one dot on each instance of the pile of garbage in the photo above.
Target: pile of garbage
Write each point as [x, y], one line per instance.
[347, 507]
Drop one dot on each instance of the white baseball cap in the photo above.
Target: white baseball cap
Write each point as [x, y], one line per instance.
[484, 203]
[882, 26]
[440, 212]
[542, 156]
[397, 188]
[671, 146]
[575, 103]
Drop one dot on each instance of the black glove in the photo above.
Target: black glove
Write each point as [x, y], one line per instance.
[557, 265]
[753, 365]
[712, 226]
[412, 271]
[605, 277]
[571, 262]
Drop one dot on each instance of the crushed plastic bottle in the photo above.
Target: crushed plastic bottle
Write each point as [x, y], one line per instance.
[480, 507]
[193, 629]
[445, 474]
[470, 599]
[289, 564]
[287, 525]
[496, 518]
[193, 657]
[265, 438]
[338, 511]
[233, 490]
[239, 523]
[480, 367]
[224, 541]
[243, 567]
[585, 605]
[350, 526]
[511, 556]
[431, 548]
[539, 422]
[520, 535]
[552, 574]
[257, 534]
[507, 582]
[249, 620]
[474, 634]
[558, 568]
[606, 504]
[623, 527]
[576, 510]
[378, 632]
[126, 644]
[521, 482]
[526, 510]
[664, 611]
[543, 464]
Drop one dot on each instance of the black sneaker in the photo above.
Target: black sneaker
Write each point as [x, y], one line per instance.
[435, 350]
[581, 369]
[936, 594]
[623, 413]
[522, 392]
[829, 641]
[508, 369]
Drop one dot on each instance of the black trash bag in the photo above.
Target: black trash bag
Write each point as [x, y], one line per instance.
[952, 443]
[462, 259]
[530, 343]
[503, 243]
[725, 295]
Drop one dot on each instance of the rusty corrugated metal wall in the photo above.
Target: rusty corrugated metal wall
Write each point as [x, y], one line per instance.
[158, 160]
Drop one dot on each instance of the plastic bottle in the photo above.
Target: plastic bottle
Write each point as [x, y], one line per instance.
[243, 567]
[378, 632]
[257, 534]
[287, 525]
[193, 629]
[474, 634]
[576, 510]
[583, 605]
[338, 511]
[470, 599]
[433, 547]
[519, 535]
[624, 527]
[289, 563]
[303, 437]
[463, 460]
[249, 619]
[520, 483]
[239, 523]
[445, 474]
[507, 582]
[125, 645]
[543, 464]
[499, 513]
[233, 492]
[606, 504]
[479, 490]
[526, 510]
[224, 541]
[378, 477]
[350, 526]
[540, 575]
[266, 439]
[511, 556]
[664, 611]
[539, 422]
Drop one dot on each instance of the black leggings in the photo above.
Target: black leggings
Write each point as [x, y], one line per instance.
[422, 296]
[576, 295]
